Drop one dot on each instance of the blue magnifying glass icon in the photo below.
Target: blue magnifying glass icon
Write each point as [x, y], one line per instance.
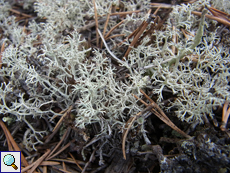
[9, 160]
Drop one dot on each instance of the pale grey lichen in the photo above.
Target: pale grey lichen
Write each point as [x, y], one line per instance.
[45, 69]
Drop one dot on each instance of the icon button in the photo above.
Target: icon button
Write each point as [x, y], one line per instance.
[9, 160]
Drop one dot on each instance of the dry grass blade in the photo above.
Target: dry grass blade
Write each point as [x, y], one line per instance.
[13, 145]
[75, 161]
[96, 21]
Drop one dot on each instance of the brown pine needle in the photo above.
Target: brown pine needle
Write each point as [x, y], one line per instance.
[2, 49]
[185, 34]
[96, 21]
[62, 149]
[106, 24]
[162, 5]
[63, 116]
[218, 13]
[225, 116]
[164, 118]
[114, 36]
[11, 143]
[113, 28]
[131, 35]
[145, 24]
[35, 164]
[64, 166]
[22, 14]
[128, 125]
[59, 143]
[125, 13]
[225, 22]
[44, 169]
[75, 161]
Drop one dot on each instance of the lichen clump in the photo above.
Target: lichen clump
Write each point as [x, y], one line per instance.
[49, 66]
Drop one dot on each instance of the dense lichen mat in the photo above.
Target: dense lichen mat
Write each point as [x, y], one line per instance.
[71, 70]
